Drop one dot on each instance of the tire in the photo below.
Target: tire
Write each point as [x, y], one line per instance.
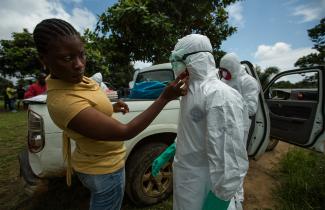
[141, 187]
[272, 144]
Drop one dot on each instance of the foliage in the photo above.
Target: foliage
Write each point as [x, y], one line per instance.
[147, 30]
[306, 82]
[96, 62]
[18, 57]
[317, 35]
[302, 181]
[130, 30]
[266, 75]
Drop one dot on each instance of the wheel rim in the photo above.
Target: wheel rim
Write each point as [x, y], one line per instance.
[156, 186]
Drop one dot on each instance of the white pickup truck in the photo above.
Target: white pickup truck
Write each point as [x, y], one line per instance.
[300, 122]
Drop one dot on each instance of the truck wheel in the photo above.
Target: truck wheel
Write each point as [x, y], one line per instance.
[141, 187]
[272, 144]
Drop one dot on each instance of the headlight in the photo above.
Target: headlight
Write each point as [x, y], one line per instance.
[36, 140]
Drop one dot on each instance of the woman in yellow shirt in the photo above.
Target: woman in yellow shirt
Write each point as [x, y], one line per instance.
[81, 109]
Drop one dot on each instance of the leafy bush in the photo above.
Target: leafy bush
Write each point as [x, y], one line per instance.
[302, 181]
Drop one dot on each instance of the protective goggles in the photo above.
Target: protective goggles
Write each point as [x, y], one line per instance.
[179, 56]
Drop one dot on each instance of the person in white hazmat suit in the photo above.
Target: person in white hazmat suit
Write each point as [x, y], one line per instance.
[234, 74]
[98, 77]
[211, 160]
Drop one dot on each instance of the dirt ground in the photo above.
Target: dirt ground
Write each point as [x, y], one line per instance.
[260, 179]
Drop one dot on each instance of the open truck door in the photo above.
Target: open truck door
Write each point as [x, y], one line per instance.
[295, 100]
[258, 137]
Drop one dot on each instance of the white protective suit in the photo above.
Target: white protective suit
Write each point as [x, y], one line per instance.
[98, 77]
[210, 154]
[244, 83]
[240, 80]
[247, 86]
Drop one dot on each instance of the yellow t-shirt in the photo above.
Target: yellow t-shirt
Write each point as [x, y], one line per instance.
[64, 101]
[11, 92]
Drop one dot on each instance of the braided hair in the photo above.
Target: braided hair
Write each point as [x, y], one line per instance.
[49, 30]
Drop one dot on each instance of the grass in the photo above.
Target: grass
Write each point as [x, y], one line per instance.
[302, 181]
[12, 137]
[12, 141]
[13, 132]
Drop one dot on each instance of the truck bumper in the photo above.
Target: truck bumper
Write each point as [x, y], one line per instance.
[32, 184]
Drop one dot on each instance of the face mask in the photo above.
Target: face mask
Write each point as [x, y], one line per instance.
[178, 67]
[225, 75]
[177, 59]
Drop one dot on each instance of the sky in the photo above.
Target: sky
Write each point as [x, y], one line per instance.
[269, 32]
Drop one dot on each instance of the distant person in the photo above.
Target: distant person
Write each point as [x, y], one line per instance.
[11, 94]
[20, 95]
[30, 82]
[5, 98]
[37, 88]
[98, 77]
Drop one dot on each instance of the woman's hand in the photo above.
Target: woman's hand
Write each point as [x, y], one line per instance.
[176, 88]
[120, 106]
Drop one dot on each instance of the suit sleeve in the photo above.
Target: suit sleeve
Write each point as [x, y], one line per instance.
[250, 94]
[227, 156]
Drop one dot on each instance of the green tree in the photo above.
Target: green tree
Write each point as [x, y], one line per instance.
[18, 57]
[317, 35]
[96, 62]
[283, 84]
[266, 75]
[147, 30]
[309, 81]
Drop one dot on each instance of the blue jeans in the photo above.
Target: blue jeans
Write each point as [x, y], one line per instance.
[12, 104]
[106, 190]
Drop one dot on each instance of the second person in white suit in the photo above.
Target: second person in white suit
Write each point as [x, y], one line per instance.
[234, 74]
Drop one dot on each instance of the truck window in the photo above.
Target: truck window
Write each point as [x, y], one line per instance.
[295, 87]
[164, 75]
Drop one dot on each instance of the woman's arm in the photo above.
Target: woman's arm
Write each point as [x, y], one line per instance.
[96, 125]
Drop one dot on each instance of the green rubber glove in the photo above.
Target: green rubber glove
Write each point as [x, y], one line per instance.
[162, 159]
[212, 202]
